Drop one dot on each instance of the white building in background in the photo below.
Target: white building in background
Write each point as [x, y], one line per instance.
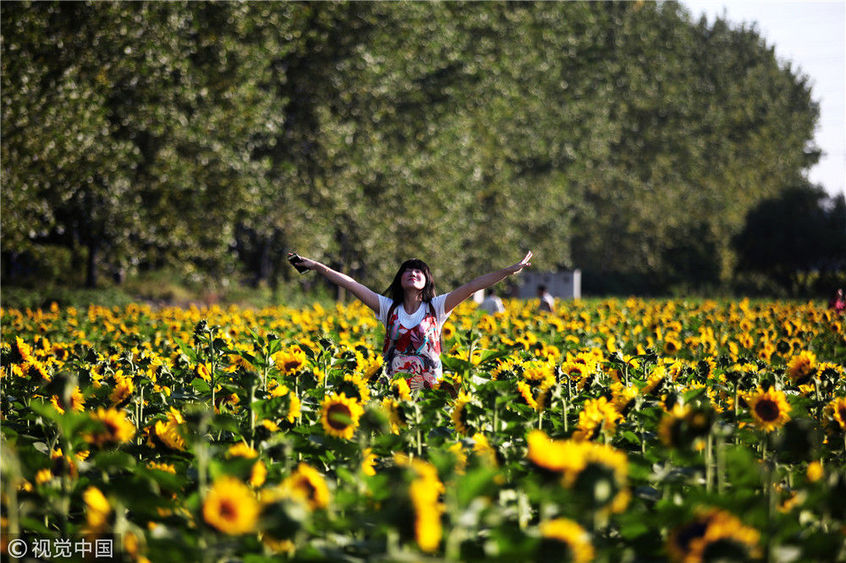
[562, 285]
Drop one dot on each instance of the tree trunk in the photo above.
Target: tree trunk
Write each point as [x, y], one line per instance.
[91, 267]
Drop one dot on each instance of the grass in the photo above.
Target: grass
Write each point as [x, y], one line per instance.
[162, 289]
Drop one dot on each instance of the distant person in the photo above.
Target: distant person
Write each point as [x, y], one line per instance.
[412, 313]
[547, 301]
[492, 304]
[838, 301]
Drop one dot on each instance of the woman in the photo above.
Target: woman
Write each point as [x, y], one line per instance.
[412, 314]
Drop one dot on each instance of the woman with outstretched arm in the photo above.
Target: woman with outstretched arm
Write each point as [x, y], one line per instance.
[412, 313]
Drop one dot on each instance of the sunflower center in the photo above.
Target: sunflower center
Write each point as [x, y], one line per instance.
[767, 410]
[111, 427]
[339, 416]
[305, 485]
[689, 533]
[228, 510]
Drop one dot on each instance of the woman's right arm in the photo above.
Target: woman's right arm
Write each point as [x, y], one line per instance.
[362, 292]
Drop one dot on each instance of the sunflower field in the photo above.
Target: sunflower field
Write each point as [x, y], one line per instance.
[611, 430]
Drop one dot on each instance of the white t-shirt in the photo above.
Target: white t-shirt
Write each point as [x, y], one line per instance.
[411, 321]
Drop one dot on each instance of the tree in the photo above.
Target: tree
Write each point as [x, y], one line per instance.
[618, 137]
[799, 231]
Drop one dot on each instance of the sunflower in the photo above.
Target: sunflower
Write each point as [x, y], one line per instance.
[238, 361]
[540, 373]
[400, 389]
[396, 414]
[814, 471]
[368, 462]
[801, 367]
[43, 476]
[37, 369]
[97, 508]
[123, 389]
[528, 393]
[290, 361]
[711, 535]
[672, 346]
[601, 472]
[354, 387]
[61, 464]
[448, 331]
[655, 380]
[117, 428]
[278, 546]
[769, 408]
[669, 428]
[425, 491]
[836, 411]
[563, 533]
[294, 404]
[308, 485]
[505, 367]
[166, 467]
[204, 372]
[766, 350]
[552, 455]
[367, 368]
[457, 450]
[241, 449]
[623, 397]
[258, 472]
[483, 449]
[597, 415]
[685, 427]
[340, 416]
[459, 413]
[578, 372]
[77, 401]
[169, 432]
[24, 350]
[231, 507]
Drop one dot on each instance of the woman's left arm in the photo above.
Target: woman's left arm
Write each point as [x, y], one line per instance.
[458, 295]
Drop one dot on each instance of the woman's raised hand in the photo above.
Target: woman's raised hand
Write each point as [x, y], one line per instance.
[521, 264]
[300, 262]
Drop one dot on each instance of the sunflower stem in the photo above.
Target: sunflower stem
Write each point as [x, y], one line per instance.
[709, 458]
[417, 436]
[140, 416]
[764, 447]
[721, 465]
[768, 483]
[252, 414]
[736, 416]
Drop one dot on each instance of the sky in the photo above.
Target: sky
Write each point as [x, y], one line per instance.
[810, 35]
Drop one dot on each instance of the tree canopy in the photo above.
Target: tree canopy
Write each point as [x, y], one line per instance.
[622, 138]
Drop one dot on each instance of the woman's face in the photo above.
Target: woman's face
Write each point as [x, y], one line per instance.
[413, 278]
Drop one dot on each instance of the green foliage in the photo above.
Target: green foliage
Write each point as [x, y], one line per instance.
[788, 236]
[159, 412]
[618, 137]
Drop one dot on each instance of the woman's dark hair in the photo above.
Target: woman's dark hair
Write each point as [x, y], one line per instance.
[395, 291]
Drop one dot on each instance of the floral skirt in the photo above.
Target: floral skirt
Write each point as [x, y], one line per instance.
[420, 380]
